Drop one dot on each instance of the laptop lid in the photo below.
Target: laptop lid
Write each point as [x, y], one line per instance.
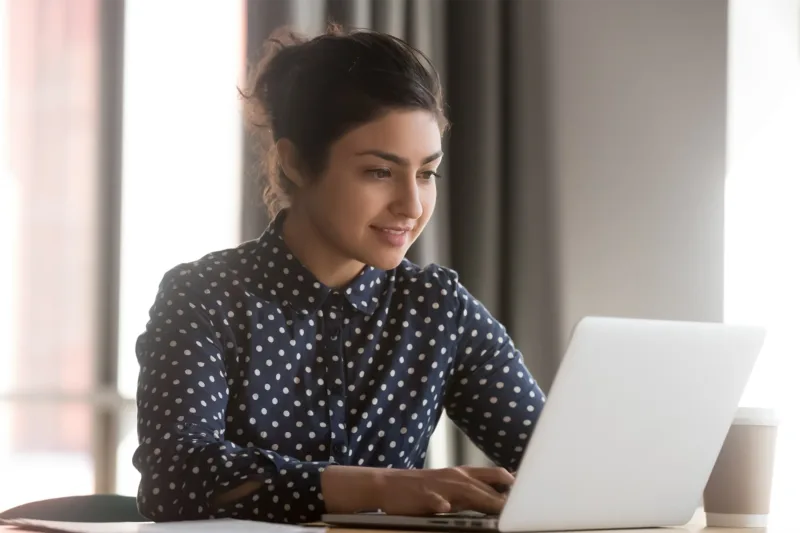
[634, 421]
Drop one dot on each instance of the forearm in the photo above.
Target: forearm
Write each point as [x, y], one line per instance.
[497, 405]
[219, 479]
[352, 489]
[345, 489]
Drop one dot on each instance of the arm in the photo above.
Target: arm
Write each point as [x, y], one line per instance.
[189, 469]
[492, 396]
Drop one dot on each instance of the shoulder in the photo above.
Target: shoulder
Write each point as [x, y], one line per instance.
[430, 280]
[443, 285]
[218, 271]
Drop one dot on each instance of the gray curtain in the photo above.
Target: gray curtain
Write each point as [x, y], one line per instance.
[492, 222]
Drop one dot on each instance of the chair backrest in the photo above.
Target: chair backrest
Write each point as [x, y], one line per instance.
[89, 508]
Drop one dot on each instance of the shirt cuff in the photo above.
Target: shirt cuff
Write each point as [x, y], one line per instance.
[293, 493]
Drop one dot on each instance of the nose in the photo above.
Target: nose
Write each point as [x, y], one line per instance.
[408, 201]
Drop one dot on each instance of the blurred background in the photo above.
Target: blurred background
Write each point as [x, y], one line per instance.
[616, 157]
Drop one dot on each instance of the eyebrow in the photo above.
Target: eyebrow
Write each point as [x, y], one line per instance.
[394, 158]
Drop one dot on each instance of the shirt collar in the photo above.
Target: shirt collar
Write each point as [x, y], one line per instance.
[286, 278]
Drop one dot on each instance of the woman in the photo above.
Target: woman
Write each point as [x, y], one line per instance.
[304, 372]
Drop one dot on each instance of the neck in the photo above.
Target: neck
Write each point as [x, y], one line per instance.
[317, 253]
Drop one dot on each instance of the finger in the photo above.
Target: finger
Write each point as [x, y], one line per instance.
[494, 489]
[503, 490]
[478, 499]
[489, 475]
[438, 504]
[422, 504]
[470, 495]
[463, 475]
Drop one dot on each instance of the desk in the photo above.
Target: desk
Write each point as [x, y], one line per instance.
[696, 525]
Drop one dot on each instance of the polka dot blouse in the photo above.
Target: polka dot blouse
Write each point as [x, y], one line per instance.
[250, 369]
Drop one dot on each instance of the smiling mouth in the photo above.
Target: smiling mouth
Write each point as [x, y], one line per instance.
[393, 231]
[394, 237]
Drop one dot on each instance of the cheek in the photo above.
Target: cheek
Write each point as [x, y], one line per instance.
[357, 198]
[341, 202]
[427, 196]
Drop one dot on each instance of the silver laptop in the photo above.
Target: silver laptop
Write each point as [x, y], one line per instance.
[634, 421]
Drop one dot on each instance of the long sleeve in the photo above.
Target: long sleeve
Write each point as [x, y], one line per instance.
[183, 402]
[491, 396]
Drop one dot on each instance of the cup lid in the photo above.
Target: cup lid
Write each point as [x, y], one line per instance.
[756, 416]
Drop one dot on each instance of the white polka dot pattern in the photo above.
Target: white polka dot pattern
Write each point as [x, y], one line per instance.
[250, 369]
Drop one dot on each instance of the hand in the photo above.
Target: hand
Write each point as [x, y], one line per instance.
[426, 492]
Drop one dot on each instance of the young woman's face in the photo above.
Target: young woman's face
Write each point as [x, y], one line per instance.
[379, 188]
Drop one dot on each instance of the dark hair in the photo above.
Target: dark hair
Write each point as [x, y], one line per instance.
[312, 92]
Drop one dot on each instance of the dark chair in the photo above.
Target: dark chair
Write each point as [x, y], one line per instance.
[90, 508]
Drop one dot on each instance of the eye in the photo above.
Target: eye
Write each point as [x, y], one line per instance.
[431, 175]
[380, 173]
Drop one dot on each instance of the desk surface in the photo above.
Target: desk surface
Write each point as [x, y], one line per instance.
[697, 525]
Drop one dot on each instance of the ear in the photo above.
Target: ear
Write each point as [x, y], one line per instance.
[289, 160]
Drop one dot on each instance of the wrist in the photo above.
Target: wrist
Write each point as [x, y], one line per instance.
[352, 489]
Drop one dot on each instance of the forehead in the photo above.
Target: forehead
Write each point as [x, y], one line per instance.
[411, 134]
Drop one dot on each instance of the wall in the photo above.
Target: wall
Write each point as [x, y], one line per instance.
[637, 133]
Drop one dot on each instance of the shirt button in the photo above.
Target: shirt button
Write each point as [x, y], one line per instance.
[338, 448]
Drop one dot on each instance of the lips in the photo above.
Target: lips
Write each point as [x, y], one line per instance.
[394, 236]
[394, 231]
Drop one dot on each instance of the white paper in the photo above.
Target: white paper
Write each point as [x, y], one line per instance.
[198, 526]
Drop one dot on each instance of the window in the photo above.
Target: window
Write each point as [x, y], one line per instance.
[180, 196]
[49, 224]
[182, 148]
[762, 264]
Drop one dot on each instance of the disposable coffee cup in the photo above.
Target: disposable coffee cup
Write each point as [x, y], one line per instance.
[739, 489]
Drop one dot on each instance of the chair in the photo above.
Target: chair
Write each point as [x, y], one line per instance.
[89, 508]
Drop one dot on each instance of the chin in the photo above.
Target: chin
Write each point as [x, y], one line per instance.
[386, 261]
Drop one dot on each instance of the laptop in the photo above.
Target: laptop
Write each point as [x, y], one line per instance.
[633, 424]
